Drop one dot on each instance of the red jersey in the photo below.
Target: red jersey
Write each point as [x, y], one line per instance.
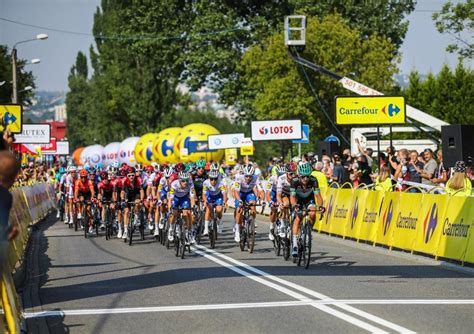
[156, 180]
[173, 177]
[106, 187]
[126, 184]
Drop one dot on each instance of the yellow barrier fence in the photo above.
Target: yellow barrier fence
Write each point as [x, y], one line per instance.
[434, 224]
[30, 205]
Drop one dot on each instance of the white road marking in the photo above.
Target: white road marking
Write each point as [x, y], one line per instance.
[324, 308]
[203, 307]
[312, 293]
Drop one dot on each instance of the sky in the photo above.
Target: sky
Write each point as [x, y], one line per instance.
[423, 48]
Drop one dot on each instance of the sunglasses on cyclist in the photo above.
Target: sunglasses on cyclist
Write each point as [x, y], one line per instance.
[184, 180]
[306, 177]
[83, 177]
[213, 178]
[131, 175]
[290, 173]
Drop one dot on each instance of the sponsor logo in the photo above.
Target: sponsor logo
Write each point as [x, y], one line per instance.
[430, 223]
[329, 209]
[459, 230]
[275, 130]
[391, 110]
[217, 141]
[123, 154]
[149, 153]
[355, 212]
[387, 217]
[165, 149]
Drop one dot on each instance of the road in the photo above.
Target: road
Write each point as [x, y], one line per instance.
[92, 285]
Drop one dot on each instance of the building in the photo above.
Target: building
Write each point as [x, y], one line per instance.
[58, 129]
[60, 113]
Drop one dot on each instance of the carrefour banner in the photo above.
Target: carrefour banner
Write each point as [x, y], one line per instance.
[380, 109]
[329, 200]
[405, 229]
[456, 229]
[388, 213]
[430, 219]
[341, 210]
[355, 215]
[367, 221]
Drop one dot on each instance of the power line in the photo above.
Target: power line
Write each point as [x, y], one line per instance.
[119, 37]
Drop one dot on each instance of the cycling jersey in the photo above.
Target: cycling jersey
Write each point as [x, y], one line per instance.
[241, 185]
[132, 190]
[84, 189]
[62, 183]
[107, 188]
[272, 187]
[198, 181]
[304, 193]
[284, 185]
[70, 184]
[177, 191]
[210, 190]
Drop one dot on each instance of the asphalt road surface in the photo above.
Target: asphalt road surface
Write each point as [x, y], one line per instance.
[93, 285]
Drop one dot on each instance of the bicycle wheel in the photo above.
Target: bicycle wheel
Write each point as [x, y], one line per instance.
[177, 237]
[251, 235]
[277, 244]
[75, 223]
[302, 241]
[286, 249]
[307, 245]
[213, 233]
[182, 243]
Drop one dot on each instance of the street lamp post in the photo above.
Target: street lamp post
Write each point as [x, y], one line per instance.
[14, 65]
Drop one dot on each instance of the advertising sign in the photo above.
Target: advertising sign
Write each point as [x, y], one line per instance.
[217, 142]
[370, 110]
[305, 138]
[199, 146]
[11, 117]
[49, 147]
[230, 156]
[62, 148]
[247, 146]
[34, 134]
[276, 130]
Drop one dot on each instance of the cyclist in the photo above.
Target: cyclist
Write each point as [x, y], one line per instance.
[181, 195]
[107, 193]
[213, 192]
[304, 190]
[160, 194]
[271, 197]
[131, 192]
[283, 189]
[247, 189]
[148, 178]
[84, 192]
[198, 177]
[70, 184]
[61, 190]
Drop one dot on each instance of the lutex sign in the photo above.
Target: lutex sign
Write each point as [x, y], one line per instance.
[276, 130]
[370, 110]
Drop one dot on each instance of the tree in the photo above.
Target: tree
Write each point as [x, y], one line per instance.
[457, 20]
[448, 96]
[24, 78]
[274, 87]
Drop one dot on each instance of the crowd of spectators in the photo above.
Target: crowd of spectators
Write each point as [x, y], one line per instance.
[391, 170]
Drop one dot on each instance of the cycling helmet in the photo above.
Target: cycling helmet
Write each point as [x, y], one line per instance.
[155, 166]
[91, 170]
[150, 169]
[249, 170]
[123, 171]
[79, 168]
[61, 170]
[190, 167]
[179, 167]
[304, 169]
[213, 174]
[83, 173]
[215, 166]
[281, 170]
[113, 170]
[131, 170]
[100, 166]
[87, 166]
[291, 167]
[201, 163]
[104, 176]
[167, 172]
[71, 168]
[115, 164]
[184, 176]
[139, 167]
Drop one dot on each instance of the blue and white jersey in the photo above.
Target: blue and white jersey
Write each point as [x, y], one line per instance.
[240, 184]
[218, 188]
[177, 191]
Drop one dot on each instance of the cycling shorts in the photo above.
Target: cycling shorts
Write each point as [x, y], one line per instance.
[87, 196]
[181, 202]
[132, 195]
[246, 197]
[273, 196]
[215, 199]
[306, 202]
[163, 195]
[107, 195]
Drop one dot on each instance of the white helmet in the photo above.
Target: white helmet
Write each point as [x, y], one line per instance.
[156, 166]
[80, 168]
[168, 171]
[215, 166]
[281, 170]
[71, 168]
[183, 176]
[248, 170]
[213, 174]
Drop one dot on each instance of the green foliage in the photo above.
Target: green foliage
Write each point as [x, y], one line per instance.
[280, 90]
[448, 96]
[457, 20]
[24, 78]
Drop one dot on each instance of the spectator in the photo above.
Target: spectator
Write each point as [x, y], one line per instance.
[258, 172]
[383, 181]
[366, 152]
[428, 171]
[327, 168]
[319, 175]
[441, 175]
[8, 171]
[459, 184]
[363, 170]
[400, 164]
[413, 165]
[339, 173]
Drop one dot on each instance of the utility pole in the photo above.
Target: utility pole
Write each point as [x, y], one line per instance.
[14, 78]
